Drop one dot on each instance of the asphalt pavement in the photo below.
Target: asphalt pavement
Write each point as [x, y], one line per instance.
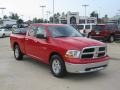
[30, 74]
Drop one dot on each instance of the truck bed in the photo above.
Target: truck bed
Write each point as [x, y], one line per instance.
[18, 39]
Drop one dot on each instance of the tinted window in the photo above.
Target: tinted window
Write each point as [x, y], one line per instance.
[40, 31]
[19, 30]
[32, 31]
[87, 26]
[99, 27]
[119, 27]
[64, 31]
[111, 27]
[79, 27]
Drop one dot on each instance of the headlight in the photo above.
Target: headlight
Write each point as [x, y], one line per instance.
[72, 54]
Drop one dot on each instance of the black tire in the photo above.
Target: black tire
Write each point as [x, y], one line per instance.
[62, 69]
[17, 53]
[111, 38]
[3, 35]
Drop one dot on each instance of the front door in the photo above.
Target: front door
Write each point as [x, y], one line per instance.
[41, 44]
[30, 43]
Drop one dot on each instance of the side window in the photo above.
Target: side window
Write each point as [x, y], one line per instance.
[87, 26]
[80, 27]
[41, 33]
[119, 27]
[32, 31]
[7, 30]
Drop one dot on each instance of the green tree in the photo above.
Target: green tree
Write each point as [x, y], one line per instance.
[36, 20]
[94, 14]
[56, 18]
[51, 19]
[20, 21]
[14, 16]
[5, 17]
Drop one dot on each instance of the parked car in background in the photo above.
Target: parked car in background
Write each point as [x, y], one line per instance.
[84, 28]
[4, 32]
[62, 47]
[105, 32]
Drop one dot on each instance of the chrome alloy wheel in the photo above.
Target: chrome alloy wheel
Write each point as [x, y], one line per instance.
[16, 52]
[56, 66]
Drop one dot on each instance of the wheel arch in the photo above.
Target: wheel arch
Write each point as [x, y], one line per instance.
[55, 53]
[15, 43]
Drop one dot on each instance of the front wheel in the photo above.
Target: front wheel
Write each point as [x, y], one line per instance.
[57, 66]
[17, 53]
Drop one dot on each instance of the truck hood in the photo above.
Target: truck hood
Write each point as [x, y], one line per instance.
[76, 42]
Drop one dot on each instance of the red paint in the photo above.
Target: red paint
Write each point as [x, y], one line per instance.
[105, 32]
[41, 49]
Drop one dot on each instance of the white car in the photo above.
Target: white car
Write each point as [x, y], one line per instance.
[4, 32]
[85, 28]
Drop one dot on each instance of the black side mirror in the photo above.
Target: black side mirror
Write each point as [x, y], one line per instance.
[41, 36]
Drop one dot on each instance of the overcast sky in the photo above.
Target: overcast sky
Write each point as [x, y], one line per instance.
[31, 8]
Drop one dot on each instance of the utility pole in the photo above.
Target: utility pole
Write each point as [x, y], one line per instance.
[43, 6]
[85, 5]
[2, 8]
[53, 11]
[48, 14]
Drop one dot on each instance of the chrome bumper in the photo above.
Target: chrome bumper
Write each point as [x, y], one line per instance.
[85, 68]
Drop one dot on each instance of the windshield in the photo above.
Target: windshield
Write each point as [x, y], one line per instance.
[98, 27]
[63, 31]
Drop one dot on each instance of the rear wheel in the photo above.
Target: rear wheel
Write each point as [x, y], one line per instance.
[57, 66]
[111, 38]
[17, 53]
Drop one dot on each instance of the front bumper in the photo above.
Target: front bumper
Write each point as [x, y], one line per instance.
[85, 68]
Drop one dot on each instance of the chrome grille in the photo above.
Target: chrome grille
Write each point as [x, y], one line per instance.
[93, 52]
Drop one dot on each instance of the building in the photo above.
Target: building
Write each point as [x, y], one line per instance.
[115, 20]
[9, 22]
[74, 18]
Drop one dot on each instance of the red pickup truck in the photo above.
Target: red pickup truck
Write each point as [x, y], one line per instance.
[62, 47]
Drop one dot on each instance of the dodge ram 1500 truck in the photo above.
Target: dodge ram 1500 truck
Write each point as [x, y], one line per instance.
[62, 47]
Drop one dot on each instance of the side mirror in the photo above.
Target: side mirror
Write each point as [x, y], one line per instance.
[41, 36]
